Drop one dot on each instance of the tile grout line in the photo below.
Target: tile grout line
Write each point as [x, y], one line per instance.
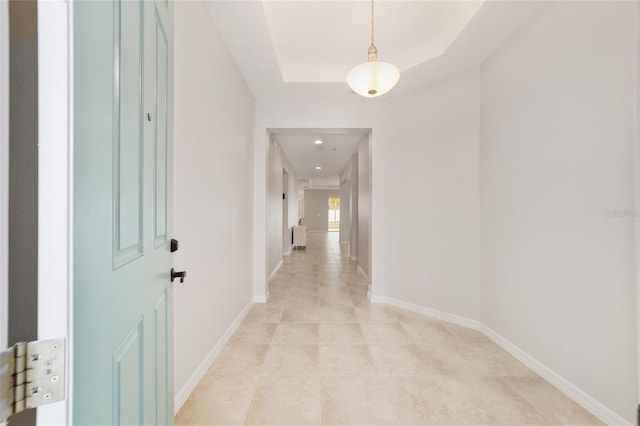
[260, 375]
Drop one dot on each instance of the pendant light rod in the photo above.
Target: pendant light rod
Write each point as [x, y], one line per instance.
[372, 53]
[372, 26]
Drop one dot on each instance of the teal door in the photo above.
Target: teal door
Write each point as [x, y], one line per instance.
[122, 295]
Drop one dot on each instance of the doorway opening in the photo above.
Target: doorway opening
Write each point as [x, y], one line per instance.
[334, 214]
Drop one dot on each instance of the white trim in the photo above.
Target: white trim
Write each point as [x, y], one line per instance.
[260, 185]
[376, 209]
[588, 402]
[261, 299]
[288, 252]
[637, 196]
[375, 299]
[182, 395]
[432, 313]
[361, 271]
[54, 188]
[4, 173]
[275, 271]
[591, 404]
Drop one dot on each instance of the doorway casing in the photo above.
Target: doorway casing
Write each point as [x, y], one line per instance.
[271, 117]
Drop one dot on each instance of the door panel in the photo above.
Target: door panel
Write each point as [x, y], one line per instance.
[122, 213]
[161, 362]
[128, 369]
[128, 132]
[161, 131]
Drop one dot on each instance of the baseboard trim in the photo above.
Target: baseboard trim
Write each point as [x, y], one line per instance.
[361, 271]
[589, 403]
[433, 313]
[375, 299]
[275, 270]
[182, 395]
[261, 299]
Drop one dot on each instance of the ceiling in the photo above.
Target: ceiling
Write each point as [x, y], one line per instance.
[305, 48]
[321, 41]
[332, 155]
[302, 50]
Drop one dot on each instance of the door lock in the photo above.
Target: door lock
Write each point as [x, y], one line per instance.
[181, 274]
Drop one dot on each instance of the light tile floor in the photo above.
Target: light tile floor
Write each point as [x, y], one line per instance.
[320, 353]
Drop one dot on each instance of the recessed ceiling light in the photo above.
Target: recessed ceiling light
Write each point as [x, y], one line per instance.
[318, 142]
[318, 168]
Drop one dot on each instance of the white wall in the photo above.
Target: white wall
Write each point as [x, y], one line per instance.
[432, 193]
[505, 208]
[511, 186]
[213, 189]
[300, 192]
[286, 230]
[316, 209]
[345, 204]
[364, 206]
[353, 247]
[275, 232]
[274, 209]
[293, 204]
[557, 150]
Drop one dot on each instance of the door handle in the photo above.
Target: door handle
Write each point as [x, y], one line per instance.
[175, 274]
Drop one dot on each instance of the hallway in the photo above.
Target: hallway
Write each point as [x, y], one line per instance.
[320, 353]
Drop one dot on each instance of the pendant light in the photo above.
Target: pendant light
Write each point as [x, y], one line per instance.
[373, 78]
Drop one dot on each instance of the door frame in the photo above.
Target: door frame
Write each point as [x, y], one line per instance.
[54, 182]
[286, 234]
[637, 198]
[55, 196]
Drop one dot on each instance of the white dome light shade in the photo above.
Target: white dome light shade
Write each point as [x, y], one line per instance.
[373, 78]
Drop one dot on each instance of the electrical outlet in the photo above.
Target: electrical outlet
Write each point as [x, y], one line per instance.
[425, 278]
